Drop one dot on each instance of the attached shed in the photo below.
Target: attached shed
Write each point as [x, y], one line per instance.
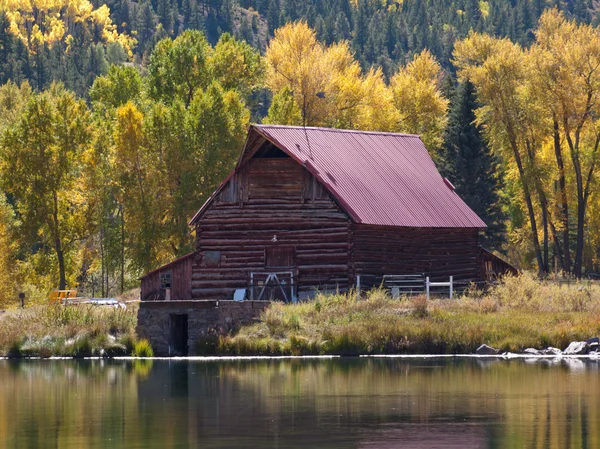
[315, 208]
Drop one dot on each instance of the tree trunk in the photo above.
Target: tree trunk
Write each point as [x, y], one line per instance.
[527, 193]
[62, 281]
[564, 209]
[122, 248]
[577, 268]
[557, 246]
[545, 232]
[581, 197]
[102, 258]
[574, 148]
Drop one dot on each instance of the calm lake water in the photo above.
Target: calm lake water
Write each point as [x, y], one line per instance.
[347, 403]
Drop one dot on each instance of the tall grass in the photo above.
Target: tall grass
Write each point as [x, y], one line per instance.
[519, 313]
[74, 330]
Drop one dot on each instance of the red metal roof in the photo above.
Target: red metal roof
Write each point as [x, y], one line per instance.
[167, 265]
[380, 178]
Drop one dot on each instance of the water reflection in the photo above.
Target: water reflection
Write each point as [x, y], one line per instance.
[357, 403]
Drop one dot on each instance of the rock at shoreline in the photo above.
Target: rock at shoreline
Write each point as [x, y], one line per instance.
[486, 350]
[551, 351]
[532, 351]
[577, 348]
[594, 343]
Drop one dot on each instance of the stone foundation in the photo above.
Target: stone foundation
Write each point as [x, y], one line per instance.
[204, 318]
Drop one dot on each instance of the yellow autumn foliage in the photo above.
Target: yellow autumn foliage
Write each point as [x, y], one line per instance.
[48, 22]
[539, 108]
[417, 97]
[318, 85]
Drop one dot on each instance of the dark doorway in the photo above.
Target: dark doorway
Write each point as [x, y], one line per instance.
[179, 335]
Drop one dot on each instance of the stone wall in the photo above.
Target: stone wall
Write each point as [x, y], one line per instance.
[203, 317]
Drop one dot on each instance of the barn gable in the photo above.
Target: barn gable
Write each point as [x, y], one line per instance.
[264, 173]
[384, 179]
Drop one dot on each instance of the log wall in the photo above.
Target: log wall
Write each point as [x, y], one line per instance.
[272, 203]
[436, 252]
[181, 277]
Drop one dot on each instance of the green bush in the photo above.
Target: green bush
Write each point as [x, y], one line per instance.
[143, 349]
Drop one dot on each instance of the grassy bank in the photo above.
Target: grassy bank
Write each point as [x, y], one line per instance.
[75, 330]
[520, 313]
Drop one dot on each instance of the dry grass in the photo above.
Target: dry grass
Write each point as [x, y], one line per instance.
[74, 330]
[522, 312]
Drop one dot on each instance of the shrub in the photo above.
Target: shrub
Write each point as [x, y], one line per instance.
[14, 350]
[128, 341]
[82, 347]
[419, 305]
[143, 349]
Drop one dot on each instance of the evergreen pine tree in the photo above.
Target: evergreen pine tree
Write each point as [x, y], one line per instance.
[468, 163]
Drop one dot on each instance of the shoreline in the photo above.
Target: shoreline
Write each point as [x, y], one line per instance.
[509, 356]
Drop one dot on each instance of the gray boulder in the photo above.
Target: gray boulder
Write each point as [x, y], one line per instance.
[577, 348]
[486, 350]
[532, 351]
[551, 351]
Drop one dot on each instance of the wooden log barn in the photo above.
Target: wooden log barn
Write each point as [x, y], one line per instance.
[309, 209]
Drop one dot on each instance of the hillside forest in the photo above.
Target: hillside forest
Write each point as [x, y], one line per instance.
[118, 119]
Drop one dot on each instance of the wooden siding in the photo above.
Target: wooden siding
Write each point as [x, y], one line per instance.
[273, 199]
[436, 252]
[181, 277]
[493, 267]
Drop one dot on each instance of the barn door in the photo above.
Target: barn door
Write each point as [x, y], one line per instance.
[272, 286]
[179, 335]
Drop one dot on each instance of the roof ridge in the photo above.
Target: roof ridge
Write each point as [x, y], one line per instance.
[337, 130]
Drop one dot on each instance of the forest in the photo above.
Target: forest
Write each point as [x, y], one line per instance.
[119, 119]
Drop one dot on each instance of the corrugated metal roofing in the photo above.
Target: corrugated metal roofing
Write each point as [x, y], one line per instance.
[379, 178]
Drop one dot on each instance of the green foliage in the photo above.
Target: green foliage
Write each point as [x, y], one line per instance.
[284, 110]
[120, 85]
[143, 349]
[178, 67]
[40, 162]
[467, 161]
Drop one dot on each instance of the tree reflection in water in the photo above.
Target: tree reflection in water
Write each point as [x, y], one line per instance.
[364, 403]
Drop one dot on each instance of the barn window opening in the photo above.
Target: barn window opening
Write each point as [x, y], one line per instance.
[280, 257]
[270, 151]
[212, 258]
[165, 279]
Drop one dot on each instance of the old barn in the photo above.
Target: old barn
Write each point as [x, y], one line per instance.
[310, 209]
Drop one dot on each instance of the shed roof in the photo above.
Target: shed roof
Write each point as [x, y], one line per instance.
[379, 178]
